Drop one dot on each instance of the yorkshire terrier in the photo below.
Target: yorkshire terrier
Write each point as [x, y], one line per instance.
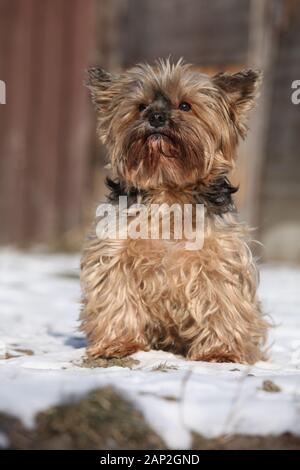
[172, 133]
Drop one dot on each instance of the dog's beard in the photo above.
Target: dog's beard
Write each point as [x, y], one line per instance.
[159, 157]
[151, 150]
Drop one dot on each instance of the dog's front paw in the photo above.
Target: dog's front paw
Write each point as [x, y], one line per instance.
[115, 349]
[214, 356]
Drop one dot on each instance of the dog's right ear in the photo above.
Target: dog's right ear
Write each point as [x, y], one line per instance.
[100, 83]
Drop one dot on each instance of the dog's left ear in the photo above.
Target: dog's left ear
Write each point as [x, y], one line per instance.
[100, 83]
[240, 88]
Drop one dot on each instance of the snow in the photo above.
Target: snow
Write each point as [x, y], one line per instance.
[41, 348]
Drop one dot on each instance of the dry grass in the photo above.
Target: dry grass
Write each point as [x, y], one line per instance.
[285, 441]
[17, 352]
[105, 420]
[269, 386]
[164, 367]
[100, 420]
[115, 361]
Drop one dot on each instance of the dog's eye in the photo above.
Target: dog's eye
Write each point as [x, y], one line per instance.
[184, 106]
[142, 107]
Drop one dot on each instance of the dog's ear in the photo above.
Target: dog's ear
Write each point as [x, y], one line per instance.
[240, 88]
[100, 83]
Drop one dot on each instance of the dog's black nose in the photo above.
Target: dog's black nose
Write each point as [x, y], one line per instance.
[157, 118]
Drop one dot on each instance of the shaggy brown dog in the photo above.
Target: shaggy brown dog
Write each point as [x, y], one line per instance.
[171, 134]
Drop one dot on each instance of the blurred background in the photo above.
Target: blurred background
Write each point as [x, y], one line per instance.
[51, 166]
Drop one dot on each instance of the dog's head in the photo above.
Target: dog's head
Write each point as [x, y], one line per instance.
[170, 124]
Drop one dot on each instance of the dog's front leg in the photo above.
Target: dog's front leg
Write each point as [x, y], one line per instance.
[228, 325]
[112, 315]
[227, 330]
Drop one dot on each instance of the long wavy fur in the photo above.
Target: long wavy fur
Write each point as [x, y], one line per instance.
[141, 294]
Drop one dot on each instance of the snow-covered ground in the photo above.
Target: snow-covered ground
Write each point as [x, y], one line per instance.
[40, 349]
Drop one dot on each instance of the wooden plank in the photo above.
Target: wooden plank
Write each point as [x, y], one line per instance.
[17, 74]
[263, 41]
[203, 32]
[45, 127]
[76, 138]
[47, 120]
[6, 18]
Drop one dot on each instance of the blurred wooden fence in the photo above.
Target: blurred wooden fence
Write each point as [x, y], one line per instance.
[47, 143]
[230, 35]
[44, 127]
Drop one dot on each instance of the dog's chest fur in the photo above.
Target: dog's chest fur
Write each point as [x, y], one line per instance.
[167, 262]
